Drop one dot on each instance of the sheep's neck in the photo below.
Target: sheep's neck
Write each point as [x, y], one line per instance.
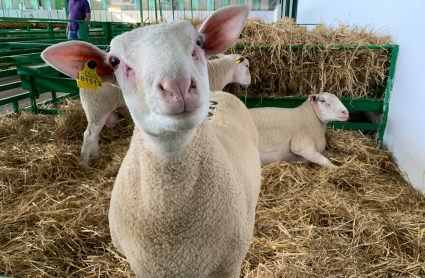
[169, 145]
[309, 108]
[222, 72]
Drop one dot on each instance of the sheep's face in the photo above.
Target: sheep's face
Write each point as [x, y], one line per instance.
[328, 107]
[162, 71]
[242, 74]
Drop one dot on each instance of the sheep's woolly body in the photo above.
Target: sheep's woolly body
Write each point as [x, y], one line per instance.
[218, 70]
[97, 104]
[278, 126]
[193, 216]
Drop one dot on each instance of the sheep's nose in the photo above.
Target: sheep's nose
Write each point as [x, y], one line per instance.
[345, 112]
[177, 88]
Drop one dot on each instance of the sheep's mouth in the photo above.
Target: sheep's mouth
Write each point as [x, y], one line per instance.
[182, 113]
[344, 118]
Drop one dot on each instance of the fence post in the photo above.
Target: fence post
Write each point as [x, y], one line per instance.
[15, 105]
[141, 11]
[49, 27]
[156, 13]
[287, 8]
[294, 9]
[108, 32]
[33, 96]
[83, 27]
[66, 10]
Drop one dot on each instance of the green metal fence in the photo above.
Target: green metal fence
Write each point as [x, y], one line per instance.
[97, 32]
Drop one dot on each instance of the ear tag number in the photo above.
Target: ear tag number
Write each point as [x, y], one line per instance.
[88, 77]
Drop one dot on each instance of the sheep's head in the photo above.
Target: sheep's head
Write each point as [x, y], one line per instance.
[242, 74]
[161, 69]
[328, 107]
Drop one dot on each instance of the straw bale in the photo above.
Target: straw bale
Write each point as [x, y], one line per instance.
[356, 73]
[362, 220]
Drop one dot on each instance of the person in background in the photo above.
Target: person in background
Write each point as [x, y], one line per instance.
[78, 10]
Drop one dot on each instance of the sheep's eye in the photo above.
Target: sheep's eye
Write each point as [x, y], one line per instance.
[247, 66]
[322, 100]
[114, 62]
[199, 42]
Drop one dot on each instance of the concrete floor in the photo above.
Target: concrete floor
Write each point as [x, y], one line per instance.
[5, 109]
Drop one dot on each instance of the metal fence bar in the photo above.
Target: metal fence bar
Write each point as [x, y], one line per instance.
[294, 9]
[9, 86]
[387, 95]
[8, 72]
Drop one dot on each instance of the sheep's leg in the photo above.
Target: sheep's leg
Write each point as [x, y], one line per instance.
[91, 140]
[312, 155]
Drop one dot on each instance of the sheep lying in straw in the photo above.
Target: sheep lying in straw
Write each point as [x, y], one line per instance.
[183, 203]
[298, 133]
[100, 105]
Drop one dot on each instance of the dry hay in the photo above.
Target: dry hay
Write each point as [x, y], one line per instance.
[356, 73]
[361, 220]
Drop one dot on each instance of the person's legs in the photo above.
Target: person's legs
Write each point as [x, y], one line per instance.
[72, 35]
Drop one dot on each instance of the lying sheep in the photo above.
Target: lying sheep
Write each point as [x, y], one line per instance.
[232, 68]
[298, 133]
[100, 105]
[184, 199]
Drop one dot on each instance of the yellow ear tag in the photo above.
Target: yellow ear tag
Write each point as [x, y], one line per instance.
[238, 61]
[88, 77]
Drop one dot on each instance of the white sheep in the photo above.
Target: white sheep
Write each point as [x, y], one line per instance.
[100, 105]
[231, 68]
[295, 134]
[183, 203]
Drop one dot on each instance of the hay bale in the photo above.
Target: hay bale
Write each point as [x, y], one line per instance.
[362, 220]
[354, 73]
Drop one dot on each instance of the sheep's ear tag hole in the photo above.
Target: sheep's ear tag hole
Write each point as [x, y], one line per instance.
[88, 78]
[238, 61]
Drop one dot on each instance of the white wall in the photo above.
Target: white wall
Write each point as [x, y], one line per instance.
[403, 20]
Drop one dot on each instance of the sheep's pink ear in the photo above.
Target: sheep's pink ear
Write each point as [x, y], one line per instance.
[221, 29]
[70, 57]
[312, 98]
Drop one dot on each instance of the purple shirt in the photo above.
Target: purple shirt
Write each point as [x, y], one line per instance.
[77, 11]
